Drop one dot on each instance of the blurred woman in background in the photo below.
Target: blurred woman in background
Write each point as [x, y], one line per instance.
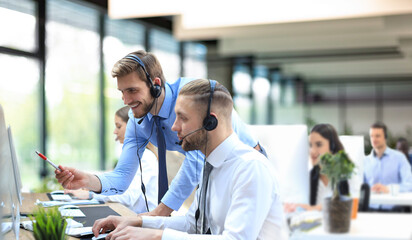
[133, 198]
[323, 139]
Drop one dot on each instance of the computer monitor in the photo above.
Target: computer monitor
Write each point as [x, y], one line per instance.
[354, 146]
[288, 150]
[16, 170]
[9, 196]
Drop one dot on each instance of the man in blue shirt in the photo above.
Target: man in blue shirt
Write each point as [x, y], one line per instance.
[139, 78]
[385, 166]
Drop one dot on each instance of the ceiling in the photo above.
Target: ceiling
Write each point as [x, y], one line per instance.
[373, 45]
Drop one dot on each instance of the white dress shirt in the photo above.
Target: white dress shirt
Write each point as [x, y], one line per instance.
[133, 197]
[324, 191]
[242, 198]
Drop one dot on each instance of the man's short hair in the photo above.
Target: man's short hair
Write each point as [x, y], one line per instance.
[381, 126]
[200, 90]
[126, 66]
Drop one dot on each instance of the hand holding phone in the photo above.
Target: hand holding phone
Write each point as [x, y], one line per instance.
[47, 160]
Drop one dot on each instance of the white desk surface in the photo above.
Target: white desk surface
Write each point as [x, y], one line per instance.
[368, 226]
[387, 198]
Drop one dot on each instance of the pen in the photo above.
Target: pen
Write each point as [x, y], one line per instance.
[47, 160]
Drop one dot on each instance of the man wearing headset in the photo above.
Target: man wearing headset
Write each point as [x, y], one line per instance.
[385, 167]
[239, 194]
[144, 88]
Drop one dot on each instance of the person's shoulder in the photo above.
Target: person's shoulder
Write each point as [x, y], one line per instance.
[395, 153]
[249, 155]
[180, 82]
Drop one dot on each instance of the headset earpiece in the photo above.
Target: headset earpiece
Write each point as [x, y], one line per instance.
[210, 122]
[155, 89]
[332, 146]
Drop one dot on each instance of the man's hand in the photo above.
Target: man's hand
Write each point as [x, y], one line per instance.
[136, 233]
[115, 223]
[160, 210]
[80, 194]
[71, 178]
[380, 188]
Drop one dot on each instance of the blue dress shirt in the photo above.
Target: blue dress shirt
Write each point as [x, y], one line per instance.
[391, 168]
[138, 135]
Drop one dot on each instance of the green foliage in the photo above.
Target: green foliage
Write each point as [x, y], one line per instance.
[48, 224]
[336, 167]
[48, 184]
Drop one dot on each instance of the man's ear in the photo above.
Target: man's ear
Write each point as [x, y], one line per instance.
[157, 81]
[213, 114]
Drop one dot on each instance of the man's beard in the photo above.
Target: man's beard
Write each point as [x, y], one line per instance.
[195, 142]
[146, 109]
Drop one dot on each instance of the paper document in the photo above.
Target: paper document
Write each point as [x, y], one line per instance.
[5, 227]
[60, 203]
[71, 224]
[63, 197]
[79, 232]
[72, 213]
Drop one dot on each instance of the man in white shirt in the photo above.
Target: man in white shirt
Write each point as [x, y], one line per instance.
[242, 194]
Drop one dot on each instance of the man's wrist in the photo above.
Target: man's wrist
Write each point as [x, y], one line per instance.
[162, 210]
[139, 221]
[94, 183]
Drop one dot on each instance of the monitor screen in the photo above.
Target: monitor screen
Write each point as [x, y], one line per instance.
[287, 148]
[9, 196]
[16, 170]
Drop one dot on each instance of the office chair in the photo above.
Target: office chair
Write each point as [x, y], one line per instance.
[364, 198]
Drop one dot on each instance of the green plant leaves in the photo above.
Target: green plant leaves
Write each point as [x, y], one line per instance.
[48, 224]
[336, 167]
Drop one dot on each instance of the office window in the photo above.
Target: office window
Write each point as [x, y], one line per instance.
[397, 91]
[195, 60]
[72, 74]
[242, 85]
[261, 89]
[19, 94]
[122, 37]
[358, 92]
[18, 24]
[166, 49]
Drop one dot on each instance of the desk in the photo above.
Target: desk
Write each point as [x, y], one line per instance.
[368, 226]
[403, 198]
[28, 205]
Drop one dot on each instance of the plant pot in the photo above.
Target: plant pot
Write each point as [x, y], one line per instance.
[337, 214]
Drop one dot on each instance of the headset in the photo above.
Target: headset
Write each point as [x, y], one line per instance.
[210, 121]
[332, 146]
[155, 89]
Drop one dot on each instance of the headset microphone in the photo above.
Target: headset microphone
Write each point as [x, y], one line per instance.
[181, 141]
[141, 120]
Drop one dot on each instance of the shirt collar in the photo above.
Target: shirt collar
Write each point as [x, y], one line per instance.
[166, 106]
[386, 152]
[218, 156]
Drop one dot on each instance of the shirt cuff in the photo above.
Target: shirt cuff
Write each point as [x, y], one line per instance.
[172, 201]
[151, 222]
[105, 186]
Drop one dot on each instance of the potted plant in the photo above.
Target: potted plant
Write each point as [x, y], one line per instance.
[48, 224]
[337, 209]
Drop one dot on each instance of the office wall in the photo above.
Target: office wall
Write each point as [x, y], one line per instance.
[398, 117]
